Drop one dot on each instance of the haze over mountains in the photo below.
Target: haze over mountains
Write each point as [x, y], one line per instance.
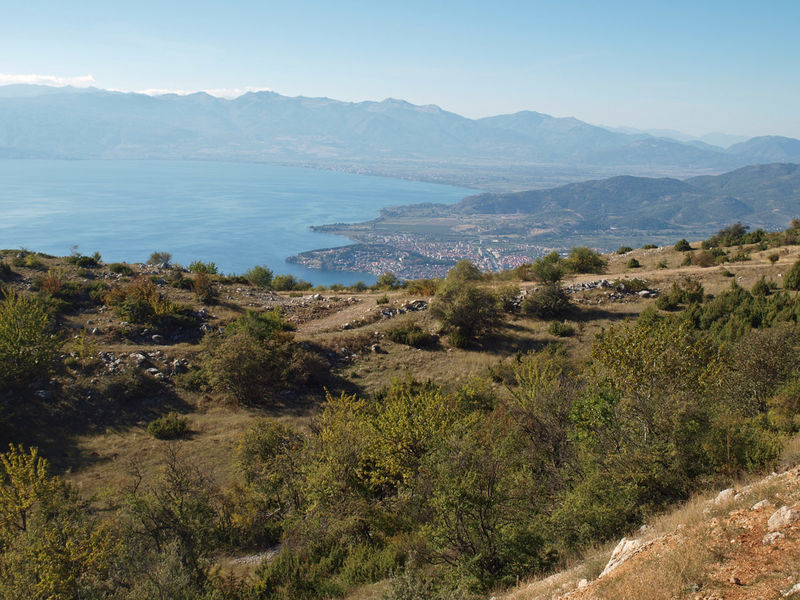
[506, 152]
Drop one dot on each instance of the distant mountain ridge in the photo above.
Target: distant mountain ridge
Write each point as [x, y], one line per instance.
[763, 195]
[391, 137]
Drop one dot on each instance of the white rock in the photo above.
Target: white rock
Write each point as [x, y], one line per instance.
[782, 517]
[794, 590]
[771, 538]
[725, 496]
[762, 504]
[624, 550]
[582, 584]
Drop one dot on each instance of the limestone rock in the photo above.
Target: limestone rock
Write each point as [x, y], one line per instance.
[624, 550]
[782, 517]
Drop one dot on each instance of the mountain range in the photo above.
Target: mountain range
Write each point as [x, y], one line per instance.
[392, 137]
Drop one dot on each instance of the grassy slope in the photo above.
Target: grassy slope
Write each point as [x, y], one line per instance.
[97, 450]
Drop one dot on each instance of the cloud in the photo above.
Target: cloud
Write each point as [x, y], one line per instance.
[218, 92]
[54, 80]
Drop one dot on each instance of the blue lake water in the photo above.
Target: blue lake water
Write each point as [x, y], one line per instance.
[235, 214]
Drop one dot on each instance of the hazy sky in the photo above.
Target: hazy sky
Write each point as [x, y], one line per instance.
[696, 66]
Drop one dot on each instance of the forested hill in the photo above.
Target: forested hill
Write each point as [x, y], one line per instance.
[765, 195]
[394, 137]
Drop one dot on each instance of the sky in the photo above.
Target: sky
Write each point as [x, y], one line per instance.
[697, 67]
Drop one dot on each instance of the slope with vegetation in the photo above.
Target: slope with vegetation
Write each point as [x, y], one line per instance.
[207, 436]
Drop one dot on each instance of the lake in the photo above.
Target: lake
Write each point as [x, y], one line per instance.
[235, 214]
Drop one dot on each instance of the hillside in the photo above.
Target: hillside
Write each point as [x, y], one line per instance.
[502, 230]
[390, 137]
[253, 438]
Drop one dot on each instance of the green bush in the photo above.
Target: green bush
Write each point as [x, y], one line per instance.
[6, 272]
[259, 276]
[633, 264]
[32, 261]
[410, 334]
[548, 269]
[624, 250]
[548, 302]
[198, 266]
[649, 247]
[84, 262]
[139, 301]
[120, 269]
[792, 279]
[168, 427]
[683, 245]
[585, 260]
[382, 300]
[28, 343]
[465, 311]
[388, 281]
[632, 285]
[560, 329]
[287, 283]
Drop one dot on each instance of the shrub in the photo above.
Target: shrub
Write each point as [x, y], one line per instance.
[560, 329]
[683, 245]
[287, 283]
[662, 264]
[168, 427]
[774, 257]
[464, 270]
[585, 260]
[259, 276]
[624, 250]
[508, 297]
[465, 311]
[548, 269]
[762, 287]
[159, 258]
[199, 266]
[422, 287]
[204, 289]
[649, 247]
[28, 345]
[84, 262]
[632, 285]
[120, 269]
[726, 273]
[382, 300]
[139, 301]
[633, 264]
[410, 334]
[792, 279]
[547, 302]
[51, 282]
[388, 281]
[33, 262]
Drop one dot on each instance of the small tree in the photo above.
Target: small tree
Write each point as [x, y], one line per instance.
[683, 245]
[548, 302]
[792, 279]
[159, 258]
[548, 269]
[465, 311]
[28, 345]
[259, 276]
[585, 260]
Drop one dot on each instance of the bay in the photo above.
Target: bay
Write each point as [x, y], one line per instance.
[235, 214]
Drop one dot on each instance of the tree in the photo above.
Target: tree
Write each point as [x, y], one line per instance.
[683, 245]
[585, 260]
[465, 311]
[464, 270]
[792, 279]
[548, 269]
[548, 302]
[28, 345]
[259, 276]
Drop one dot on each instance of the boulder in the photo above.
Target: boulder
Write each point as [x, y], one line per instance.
[725, 496]
[771, 538]
[624, 550]
[762, 504]
[782, 517]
